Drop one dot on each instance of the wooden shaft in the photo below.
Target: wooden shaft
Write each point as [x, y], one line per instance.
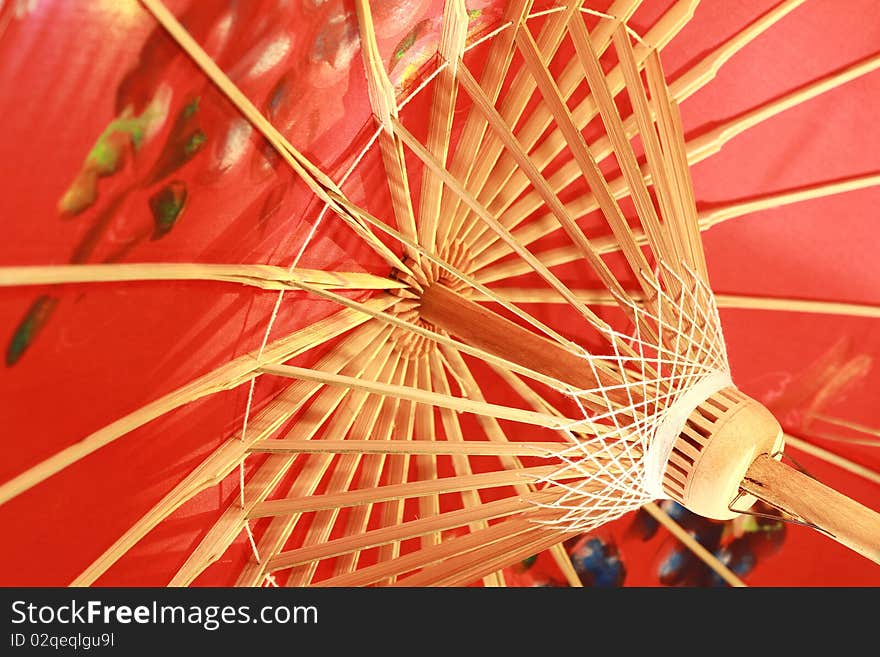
[480, 327]
[792, 492]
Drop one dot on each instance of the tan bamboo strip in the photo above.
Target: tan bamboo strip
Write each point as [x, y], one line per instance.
[506, 136]
[506, 179]
[498, 169]
[426, 555]
[622, 150]
[322, 186]
[848, 424]
[398, 468]
[708, 218]
[227, 456]
[461, 465]
[396, 534]
[692, 544]
[223, 460]
[267, 277]
[445, 89]
[512, 106]
[505, 543]
[439, 264]
[445, 447]
[231, 523]
[688, 83]
[600, 297]
[798, 305]
[491, 427]
[698, 149]
[326, 405]
[225, 377]
[712, 141]
[496, 435]
[801, 497]
[370, 422]
[703, 72]
[421, 488]
[713, 216]
[371, 472]
[337, 419]
[566, 567]
[263, 481]
[439, 338]
[429, 398]
[383, 101]
[502, 554]
[484, 215]
[666, 248]
[426, 465]
[677, 169]
[495, 68]
[459, 569]
[832, 458]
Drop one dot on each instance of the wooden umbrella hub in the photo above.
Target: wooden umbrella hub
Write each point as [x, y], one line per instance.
[726, 450]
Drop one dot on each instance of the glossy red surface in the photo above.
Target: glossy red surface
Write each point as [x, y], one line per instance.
[67, 70]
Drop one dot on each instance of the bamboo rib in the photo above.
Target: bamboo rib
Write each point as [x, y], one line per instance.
[316, 416]
[369, 422]
[223, 460]
[509, 540]
[667, 249]
[552, 97]
[506, 136]
[427, 397]
[266, 277]
[430, 335]
[392, 511]
[452, 41]
[848, 424]
[496, 435]
[739, 301]
[338, 418]
[688, 83]
[226, 377]
[261, 483]
[495, 68]
[384, 103]
[499, 169]
[485, 216]
[713, 216]
[422, 488]
[371, 474]
[470, 499]
[697, 150]
[396, 534]
[693, 545]
[429, 447]
[426, 555]
[622, 149]
[506, 179]
[707, 218]
[832, 458]
[512, 107]
[320, 184]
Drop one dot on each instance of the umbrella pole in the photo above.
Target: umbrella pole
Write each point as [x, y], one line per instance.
[796, 495]
[803, 498]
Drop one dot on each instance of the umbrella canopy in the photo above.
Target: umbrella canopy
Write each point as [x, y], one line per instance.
[119, 149]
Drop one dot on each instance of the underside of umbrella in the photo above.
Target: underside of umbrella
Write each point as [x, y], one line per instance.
[408, 293]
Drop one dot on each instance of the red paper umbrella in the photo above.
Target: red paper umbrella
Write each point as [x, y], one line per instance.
[333, 293]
